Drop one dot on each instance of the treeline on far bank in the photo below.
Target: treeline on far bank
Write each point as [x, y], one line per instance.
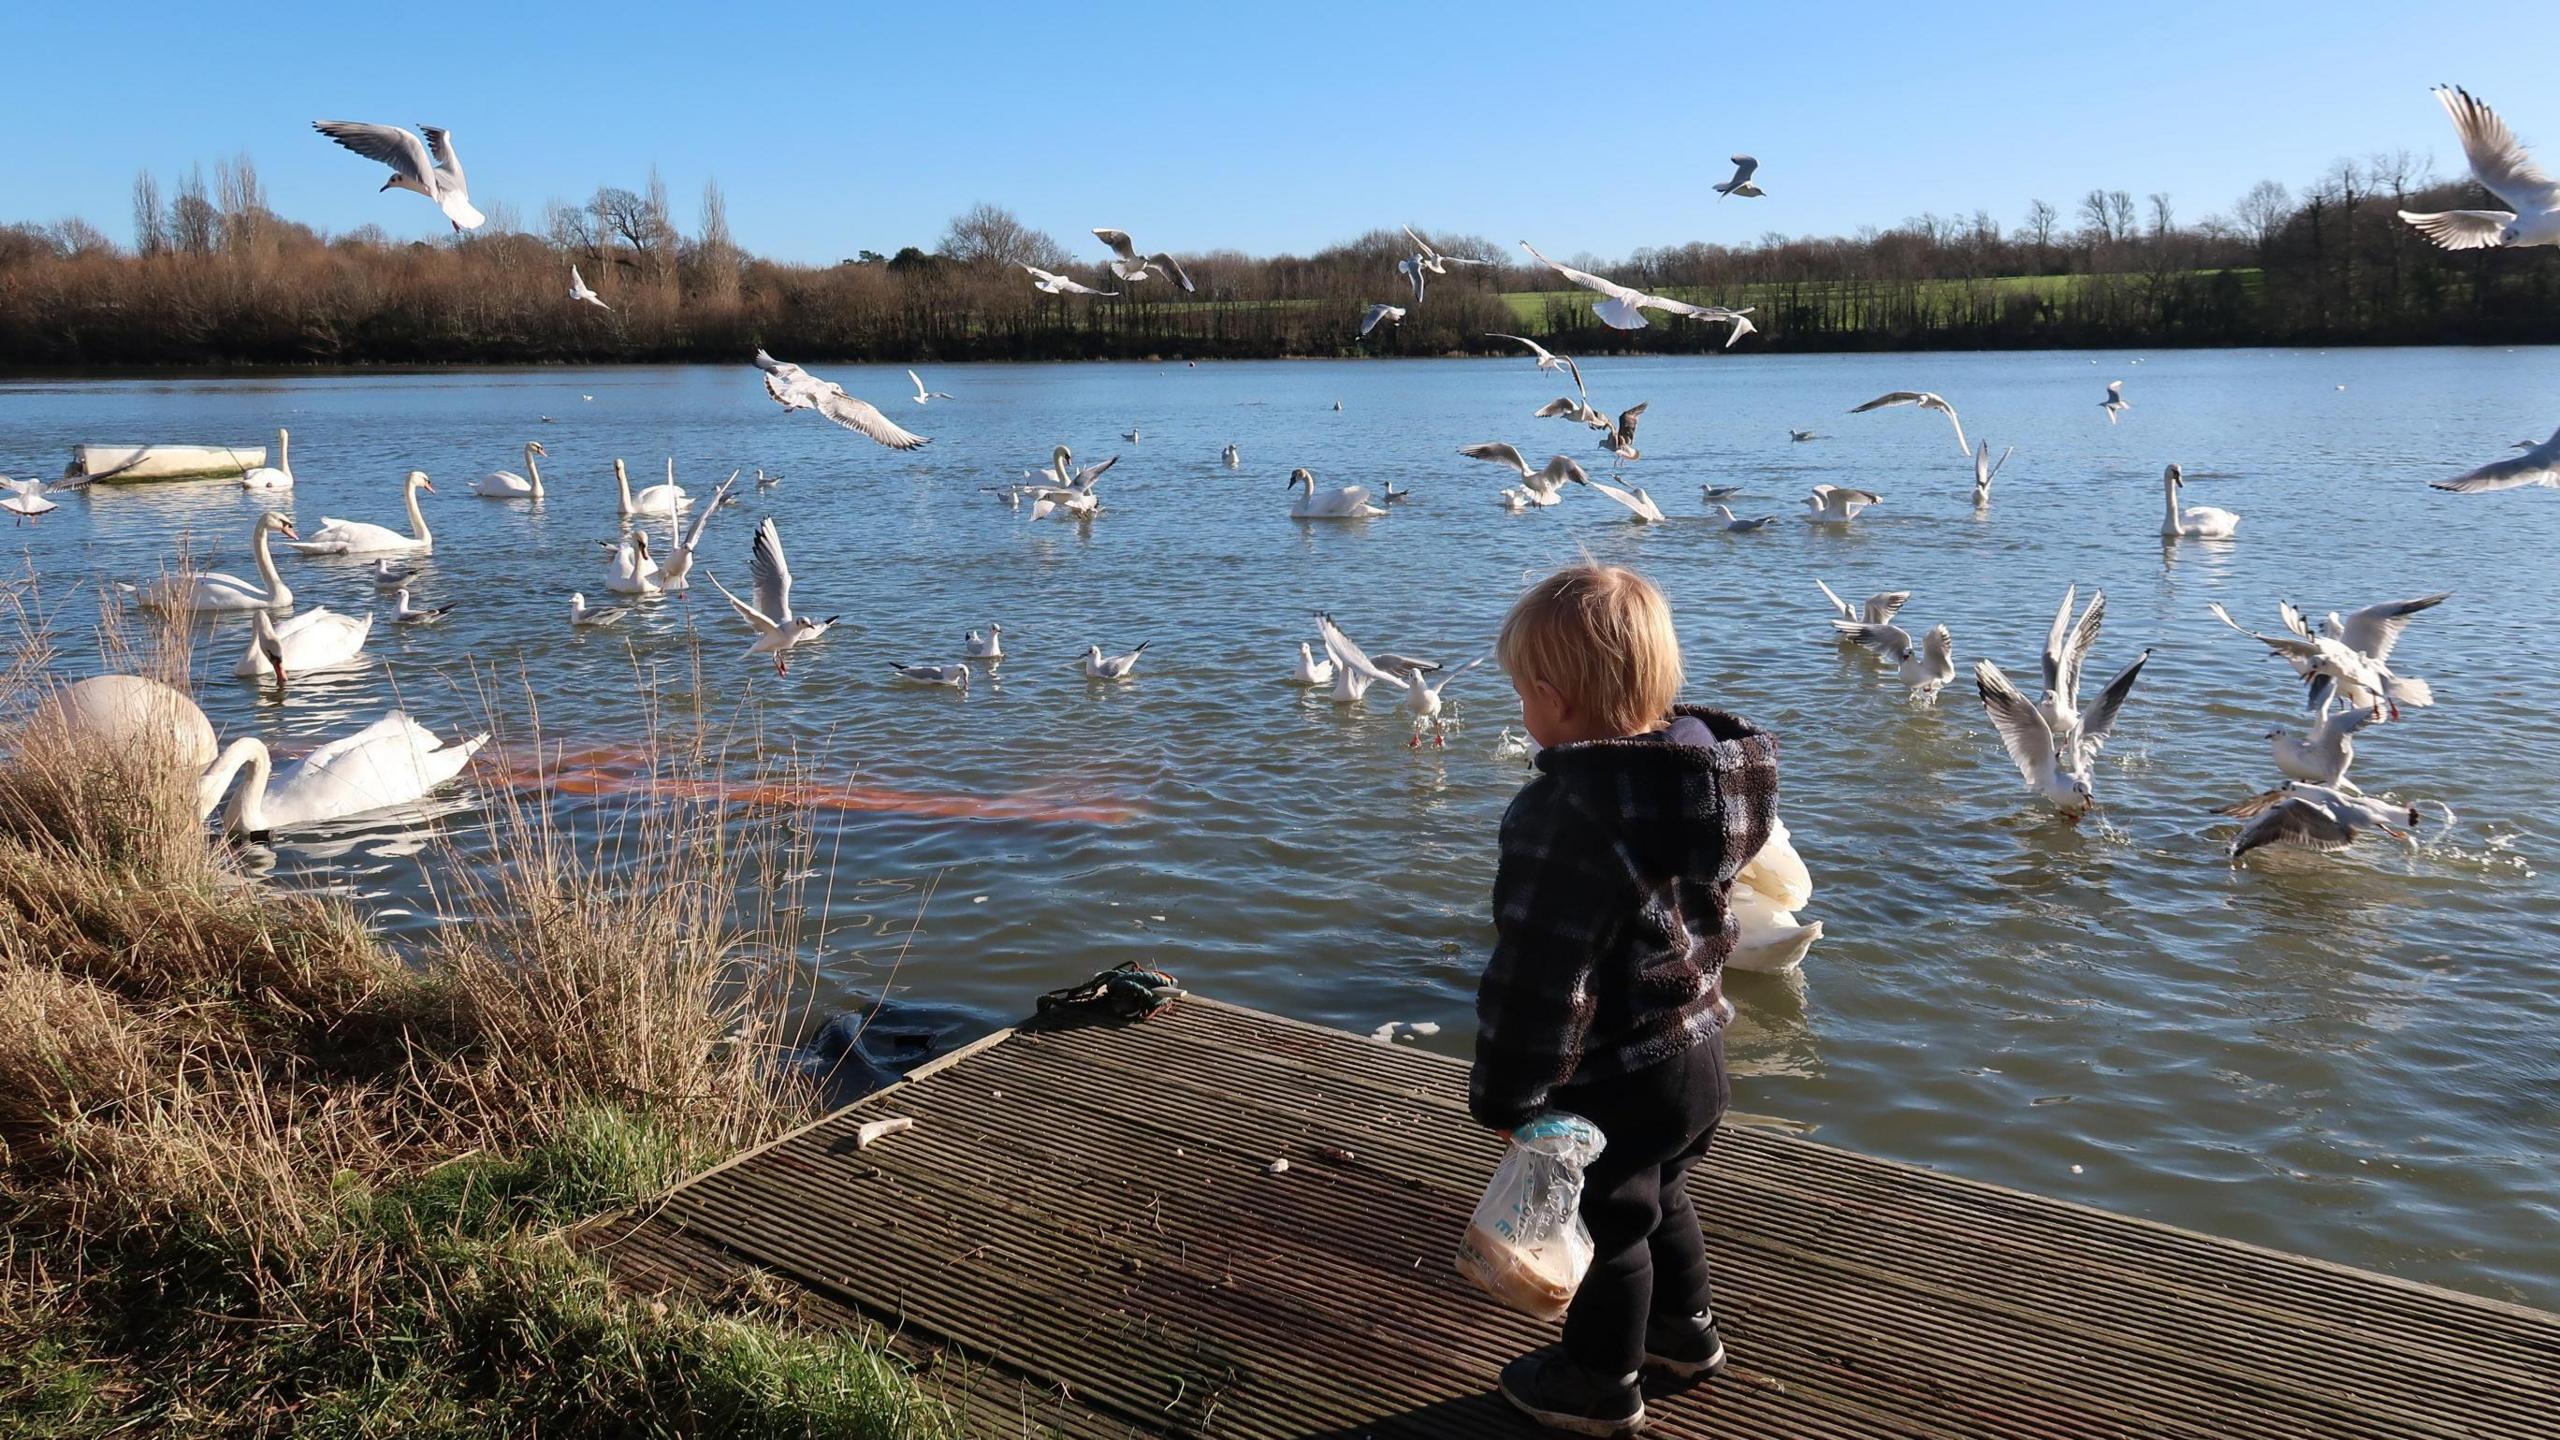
[236, 284]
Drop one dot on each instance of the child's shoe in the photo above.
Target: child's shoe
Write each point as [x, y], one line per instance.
[1685, 1346]
[1550, 1388]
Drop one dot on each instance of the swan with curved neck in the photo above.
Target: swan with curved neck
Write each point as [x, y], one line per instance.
[667, 499]
[2203, 522]
[389, 763]
[508, 485]
[215, 591]
[357, 537]
[278, 476]
[319, 639]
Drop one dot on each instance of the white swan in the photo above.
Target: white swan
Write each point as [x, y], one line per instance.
[1777, 871]
[110, 713]
[1345, 502]
[320, 639]
[390, 762]
[633, 573]
[214, 590]
[508, 485]
[278, 476]
[1767, 936]
[668, 499]
[357, 537]
[2202, 522]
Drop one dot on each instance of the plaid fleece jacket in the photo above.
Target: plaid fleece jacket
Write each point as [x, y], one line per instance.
[1610, 906]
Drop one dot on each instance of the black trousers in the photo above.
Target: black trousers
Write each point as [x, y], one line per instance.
[1647, 1255]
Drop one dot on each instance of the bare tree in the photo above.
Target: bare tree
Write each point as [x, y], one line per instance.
[2164, 218]
[243, 202]
[193, 222]
[2120, 214]
[987, 234]
[715, 253]
[75, 237]
[150, 226]
[2093, 216]
[2262, 214]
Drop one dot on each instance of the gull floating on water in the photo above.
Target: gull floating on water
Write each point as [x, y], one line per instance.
[1538, 487]
[1625, 306]
[2505, 169]
[1836, 505]
[1744, 527]
[989, 646]
[2201, 522]
[777, 629]
[955, 677]
[1740, 184]
[796, 389]
[2538, 465]
[578, 290]
[1392, 495]
[431, 168]
[1129, 265]
[1098, 666]
[922, 394]
[1547, 359]
[2316, 817]
[1801, 435]
[390, 574]
[1311, 671]
[1394, 314]
[1926, 400]
[580, 617]
[408, 614]
[2115, 404]
[1060, 284]
[1985, 469]
[1345, 502]
[1719, 492]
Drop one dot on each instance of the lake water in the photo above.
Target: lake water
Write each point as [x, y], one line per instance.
[2347, 1056]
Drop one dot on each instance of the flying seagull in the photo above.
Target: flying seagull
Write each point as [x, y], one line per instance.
[2316, 817]
[1393, 314]
[1985, 470]
[922, 394]
[1625, 307]
[1741, 184]
[1547, 359]
[2503, 167]
[1128, 264]
[796, 389]
[2538, 465]
[578, 290]
[431, 167]
[1060, 284]
[1430, 258]
[2115, 404]
[1926, 400]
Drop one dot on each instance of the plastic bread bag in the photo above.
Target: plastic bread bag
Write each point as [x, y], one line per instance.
[1526, 1245]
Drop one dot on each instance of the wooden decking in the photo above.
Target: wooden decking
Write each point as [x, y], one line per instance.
[1081, 1236]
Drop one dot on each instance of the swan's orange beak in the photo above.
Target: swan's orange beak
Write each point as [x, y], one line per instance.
[429, 485]
[287, 530]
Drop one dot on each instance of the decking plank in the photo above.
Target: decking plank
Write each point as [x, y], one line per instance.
[1080, 1238]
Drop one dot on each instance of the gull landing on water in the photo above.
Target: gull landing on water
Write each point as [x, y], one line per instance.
[1985, 469]
[578, 290]
[796, 389]
[1879, 610]
[2317, 817]
[1638, 503]
[1537, 487]
[1835, 505]
[2057, 771]
[1925, 667]
[1625, 306]
[922, 394]
[1059, 284]
[777, 629]
[1926, 400]
[431, 168]
[2505, 169]
[1129, 265]
[1740, 184]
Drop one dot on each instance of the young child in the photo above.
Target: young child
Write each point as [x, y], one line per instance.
[1603, 996]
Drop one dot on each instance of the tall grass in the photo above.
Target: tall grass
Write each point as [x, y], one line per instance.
[260, 1175]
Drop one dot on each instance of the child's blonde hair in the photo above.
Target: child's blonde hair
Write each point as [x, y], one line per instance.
[1602, 637]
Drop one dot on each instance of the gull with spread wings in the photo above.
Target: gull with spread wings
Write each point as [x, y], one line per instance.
[1537, 487]
[1056, 284]
[1547, 359]
[1625, 306]
[1740, 184]
[2505, 169]
[2316, 817]
[778, 631]
[2054, 767]
[1129, 265]
[796, 389]
[2538, 465]
[429, 167]
[1926, 400]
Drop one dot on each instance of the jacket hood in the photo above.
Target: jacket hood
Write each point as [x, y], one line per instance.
[1663, 794]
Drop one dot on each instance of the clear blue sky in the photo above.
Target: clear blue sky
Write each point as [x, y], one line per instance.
[1588, 128]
